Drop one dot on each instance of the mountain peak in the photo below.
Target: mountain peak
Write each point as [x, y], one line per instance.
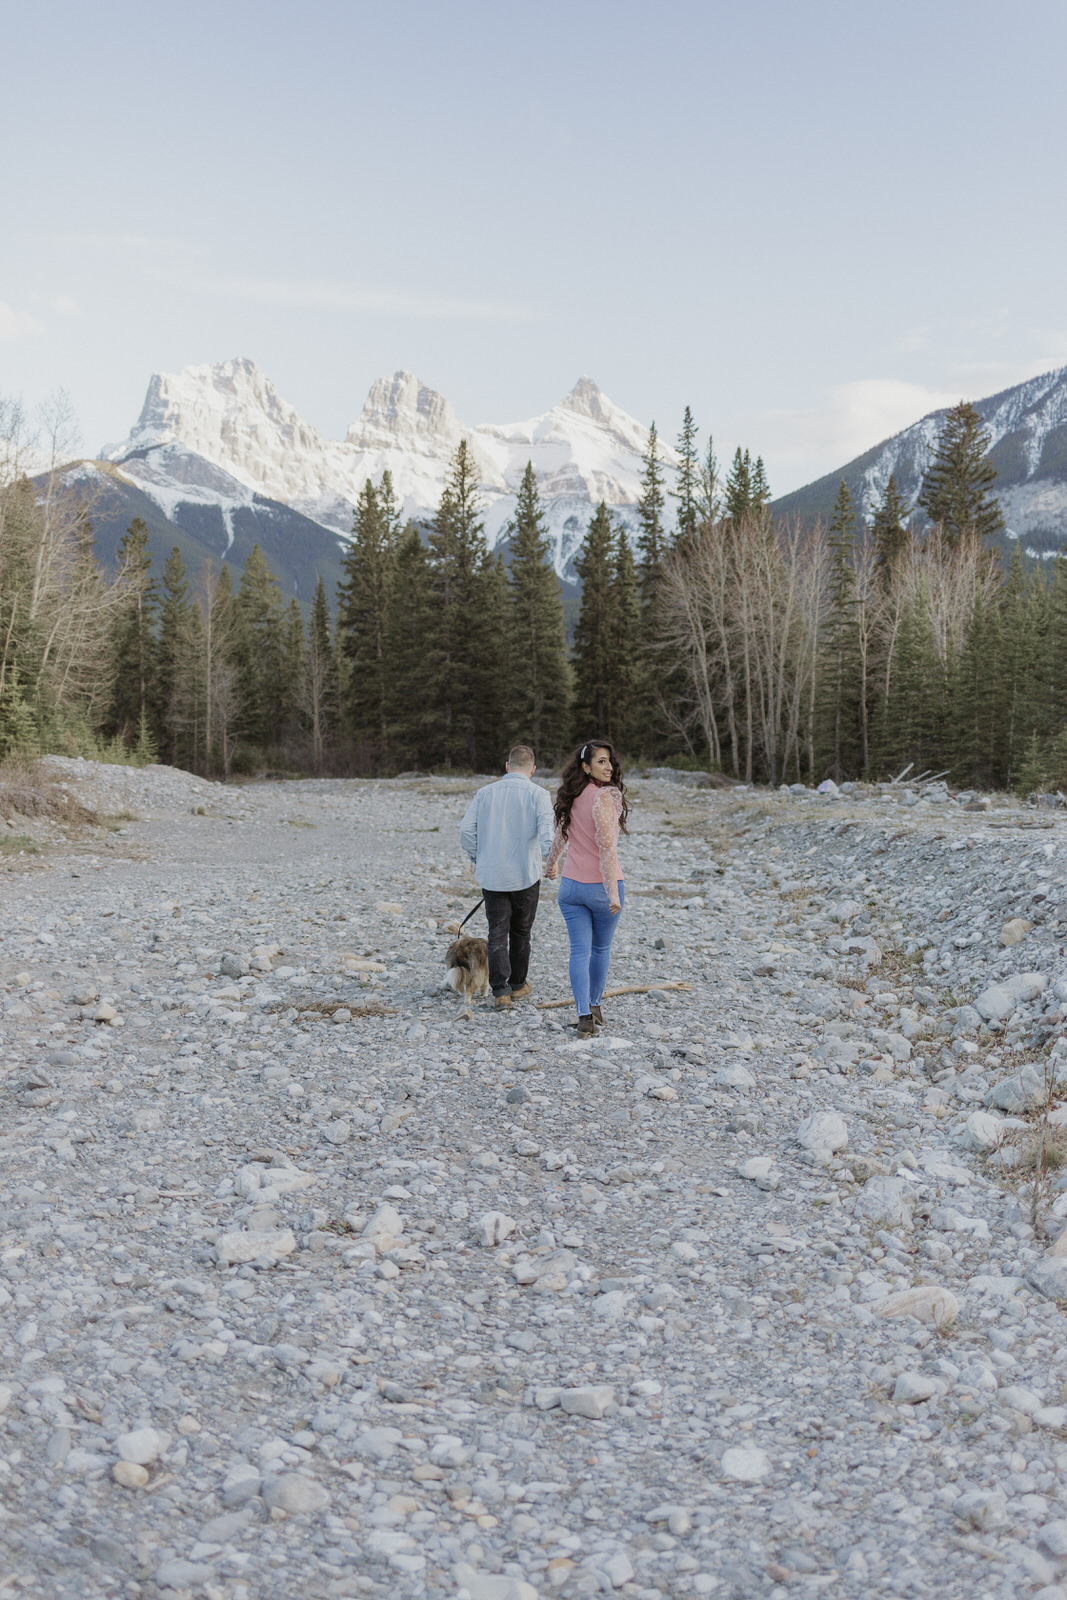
[404, 408]
[588, 399]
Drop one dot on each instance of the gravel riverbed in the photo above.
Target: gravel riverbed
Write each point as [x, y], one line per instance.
[314, 1283]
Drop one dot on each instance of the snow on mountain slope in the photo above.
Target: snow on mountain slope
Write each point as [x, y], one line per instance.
[1027, 426]
[219, 433]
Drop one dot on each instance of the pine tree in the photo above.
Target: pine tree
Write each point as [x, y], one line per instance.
[539, 674]
[972, 745]
[957, 489]
[407, 638]
[738, 493]
[260, 652]
[132, 645]
[687, 493]
[320, 688]
[627, 718]
[172, 656]
[1022, 700]
[462, 677]
[709, 489]
[593, 634]
[840, 707]
[761, 489]
[363, 598]
[888, 531]
[294, 670]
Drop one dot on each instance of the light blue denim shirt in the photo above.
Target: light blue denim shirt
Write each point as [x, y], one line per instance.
[506, 832]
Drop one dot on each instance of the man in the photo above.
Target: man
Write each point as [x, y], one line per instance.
[506, 832]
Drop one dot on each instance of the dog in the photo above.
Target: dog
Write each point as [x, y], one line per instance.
[467, 964]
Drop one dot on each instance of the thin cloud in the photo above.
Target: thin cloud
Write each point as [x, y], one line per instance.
[359, 298]
[851, 418]
[16, 324]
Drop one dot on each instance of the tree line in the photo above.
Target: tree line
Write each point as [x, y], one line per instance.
[719, 636]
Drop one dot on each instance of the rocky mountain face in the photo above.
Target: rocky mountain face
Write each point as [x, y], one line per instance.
[1028, 428]
[217, 447]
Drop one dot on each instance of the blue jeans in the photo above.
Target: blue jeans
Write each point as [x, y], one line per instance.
[591, 927]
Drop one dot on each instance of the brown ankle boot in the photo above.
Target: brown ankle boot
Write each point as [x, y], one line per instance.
[597, 1016]
[586, 1027]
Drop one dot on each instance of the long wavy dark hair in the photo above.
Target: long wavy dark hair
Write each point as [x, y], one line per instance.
[574, 778]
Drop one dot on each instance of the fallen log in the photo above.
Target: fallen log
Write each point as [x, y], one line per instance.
[611, 994]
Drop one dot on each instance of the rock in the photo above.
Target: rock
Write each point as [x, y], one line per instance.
[982, 1132]
[912, 1388]
[745, 1463]
[928, 1302]
[105, 1013]
[614, 1569]
[491, 1585]
[822, 1133]
[142, 1446]
[494, 1227]
[378, 1443]
[241, 1484]
[294, 1493]
[995, 1003]
[760, 1171]
[885, 1200]
[984, 1509]
[179, 1574]
[1025, 1090]
[1049, 1278]
[1014, 931]
[735, 1076]
[386, 1225]
[1018, 1398]
[130, 1474]
[592, 1401]
[234, 1248]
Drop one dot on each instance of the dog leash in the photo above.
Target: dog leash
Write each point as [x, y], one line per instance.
[470, 914]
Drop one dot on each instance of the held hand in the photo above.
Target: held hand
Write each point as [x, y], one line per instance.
[614, 908]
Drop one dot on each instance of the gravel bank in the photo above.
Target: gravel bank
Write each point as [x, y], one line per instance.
[312, 1284]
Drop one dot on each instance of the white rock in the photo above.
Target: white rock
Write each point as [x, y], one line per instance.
[912, 1388]
[232, 1248]
[615, 1569]
[386, 1222]
[142, 1446]
[823, 1130]
[760, 1171]
[984, 1509]
[929, 1302]
[378, 1443]
[294, 1493]
[491, 1585]
[130, 1474]
[735, 1076]
[611, 1306]
[982, 1132]
[494, 1227]
[1025, 1090]
[1018, 1398]
[995, 1003]
[745, 1463]
[592, 1400]
[885, 1200]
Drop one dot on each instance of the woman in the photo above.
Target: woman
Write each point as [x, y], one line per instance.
[590, 809]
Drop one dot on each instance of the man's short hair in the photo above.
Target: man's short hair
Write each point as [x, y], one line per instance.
[520, 755]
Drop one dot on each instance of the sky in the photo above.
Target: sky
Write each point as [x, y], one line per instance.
[811, 221]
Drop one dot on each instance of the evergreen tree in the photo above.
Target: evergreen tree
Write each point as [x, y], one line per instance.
[538, 671]
[294, 669]
[1022, 707]
[957, 489]
[463, 669]
[132, 645]
[650, 540]
[260, 652]
[840, 706]
[320, 686]
[687, 493]
[363, 598]
[173, 663]
[972, 745]
[761, 489]
[408, 635]
[738, 493]
[216, 675]
[888, 531]
[593, 634]
[626, 715]
[709, 488]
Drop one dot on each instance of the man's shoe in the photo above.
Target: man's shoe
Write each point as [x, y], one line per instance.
[522, 991]
[502, 1001]
[597, 1016]
[586, 1027]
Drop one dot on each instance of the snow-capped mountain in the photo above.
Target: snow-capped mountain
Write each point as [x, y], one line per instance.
[222, 436]
[1027, 427]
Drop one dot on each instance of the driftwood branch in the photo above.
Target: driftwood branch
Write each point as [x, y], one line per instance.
[611, 994]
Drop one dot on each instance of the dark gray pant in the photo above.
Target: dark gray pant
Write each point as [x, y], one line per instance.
[510, 915]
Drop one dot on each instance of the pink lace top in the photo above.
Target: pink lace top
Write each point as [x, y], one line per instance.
[592, 840]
